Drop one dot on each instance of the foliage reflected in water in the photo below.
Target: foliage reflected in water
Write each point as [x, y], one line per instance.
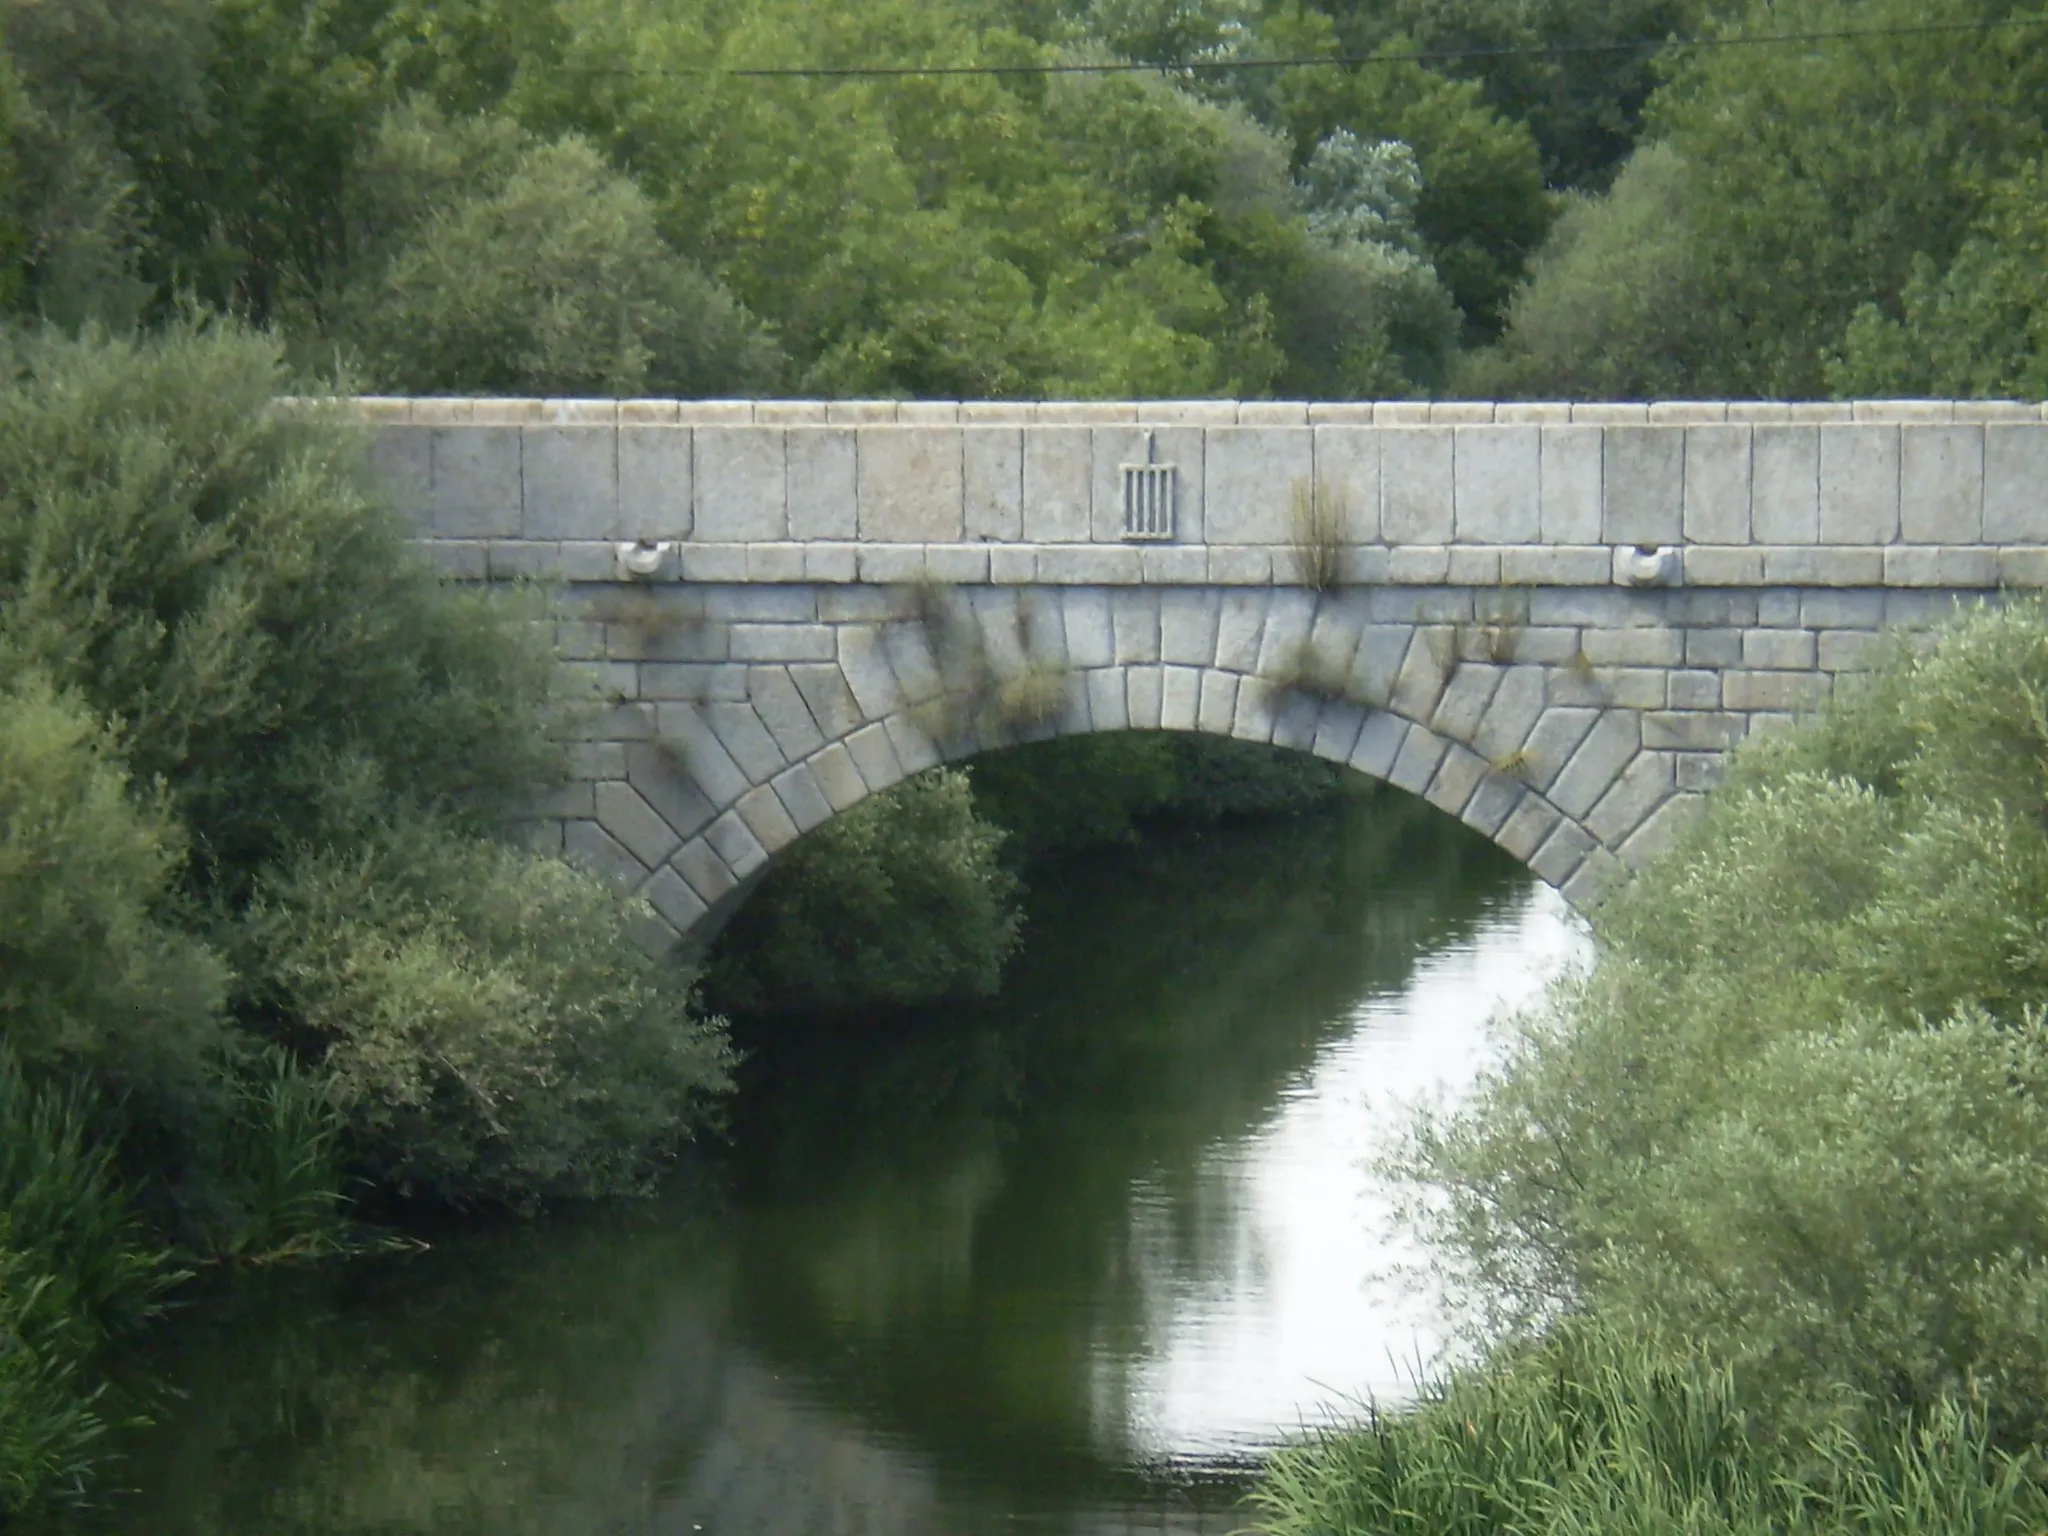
[906, 1304]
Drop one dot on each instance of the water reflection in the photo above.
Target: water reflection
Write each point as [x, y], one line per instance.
[1052, 1264]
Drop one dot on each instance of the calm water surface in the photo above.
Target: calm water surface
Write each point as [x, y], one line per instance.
[1063, 1264]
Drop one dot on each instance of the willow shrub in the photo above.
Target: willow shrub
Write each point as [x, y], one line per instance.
[1798, 1109]
[268, 761]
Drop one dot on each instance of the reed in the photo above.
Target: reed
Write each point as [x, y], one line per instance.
[1319, 525]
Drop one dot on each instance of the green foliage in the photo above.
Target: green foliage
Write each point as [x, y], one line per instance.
[1796, 1110]
[76, 1270]
[486, 1025]
[330, 743]
[1615, 306]
[1591, 1431]
[899, 902]
[1978, 329]
[91, 977]
[494, 264]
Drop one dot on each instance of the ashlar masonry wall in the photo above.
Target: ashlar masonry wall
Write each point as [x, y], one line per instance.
[1551, 621]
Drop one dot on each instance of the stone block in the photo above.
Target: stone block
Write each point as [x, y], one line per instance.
[1419, 564]
[1089, 631]
[1695, 688]
[656, 495]
[992, 469]
[775, 563]
[1401, 413]
[767, 818]
[802, 797]
[401, 462]
[1532, 820]
[1785, 494]
[1058, 479]
[1249, 476]
[1562, 565]
[1774, 691]
[523, 560]
[1533, 413]
[1174, 564]
[1848, 650]
[1996, 411]
[1460, 413]
[831, 562]
[1240, 627]
[507, 412]
[1698, 730]
[914, 750]
[1609, 747]
[1347, 470]
[1717, 484]
[713, 562]
[822, 481]
[1180, 698]
[1417, 761]
[735, 842]
[1513, 711]
[1273, 413]
[830, 697]
[957, 564]
[1187, 627]
[1188, 413]
[1642, 496]
[1471, 567]
[1688, 413]
[1827, 565]
[1633, 647]
[741, 485]
[1780, 650]
[1143, 687]
[789, 413]
[1462, 708]
[656, 771]
[1496, 798]
[911, 484]
[1720, 565]
[1112, 447]
[570, 482]
[1218, 707]
[1249, 565]
[1108, 708]
[1379, 743]
[874, 753]
[703, 870]
[1646, 784]
[1090, 565]
[891, 563]
[476, 487]
[1859, 484]
[1841, 610]
[859, 413]
[1418, 485]
[838, 777]
[783, 711]
[1556, 736]
[1451, 787]
[1605, 413]
[927, 413]
[1134, 618]
[1571, 469]
[2016, 484]
[1496, 480]
[1941, 484]
[638, 827]
[588, 844]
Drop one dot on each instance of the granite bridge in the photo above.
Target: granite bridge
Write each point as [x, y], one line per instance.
[1551, 621]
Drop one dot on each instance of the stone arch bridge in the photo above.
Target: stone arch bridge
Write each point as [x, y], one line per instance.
[1550, 621]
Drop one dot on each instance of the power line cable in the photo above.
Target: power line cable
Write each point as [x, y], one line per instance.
[1320, 61]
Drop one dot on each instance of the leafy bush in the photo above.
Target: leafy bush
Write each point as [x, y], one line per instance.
[898, 902]
[487, 1028]
[331, 743]
[1798, 1110]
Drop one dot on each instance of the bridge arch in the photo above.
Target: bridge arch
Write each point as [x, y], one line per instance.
[825, 711]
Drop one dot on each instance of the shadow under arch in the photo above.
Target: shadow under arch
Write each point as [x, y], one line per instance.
[1471, 762]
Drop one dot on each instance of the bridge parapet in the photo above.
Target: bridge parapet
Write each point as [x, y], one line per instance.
[1932, 494]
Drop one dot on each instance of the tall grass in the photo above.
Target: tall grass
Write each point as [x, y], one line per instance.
[76, 1270]
[1593, 1434]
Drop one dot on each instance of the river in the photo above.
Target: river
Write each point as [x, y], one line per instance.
[1065, 1262]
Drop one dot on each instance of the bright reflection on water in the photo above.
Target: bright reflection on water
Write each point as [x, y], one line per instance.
[1060, 1264]
[1321, 1304]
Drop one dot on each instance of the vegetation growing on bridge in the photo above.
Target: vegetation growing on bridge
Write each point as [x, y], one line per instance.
[1783, 1151]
